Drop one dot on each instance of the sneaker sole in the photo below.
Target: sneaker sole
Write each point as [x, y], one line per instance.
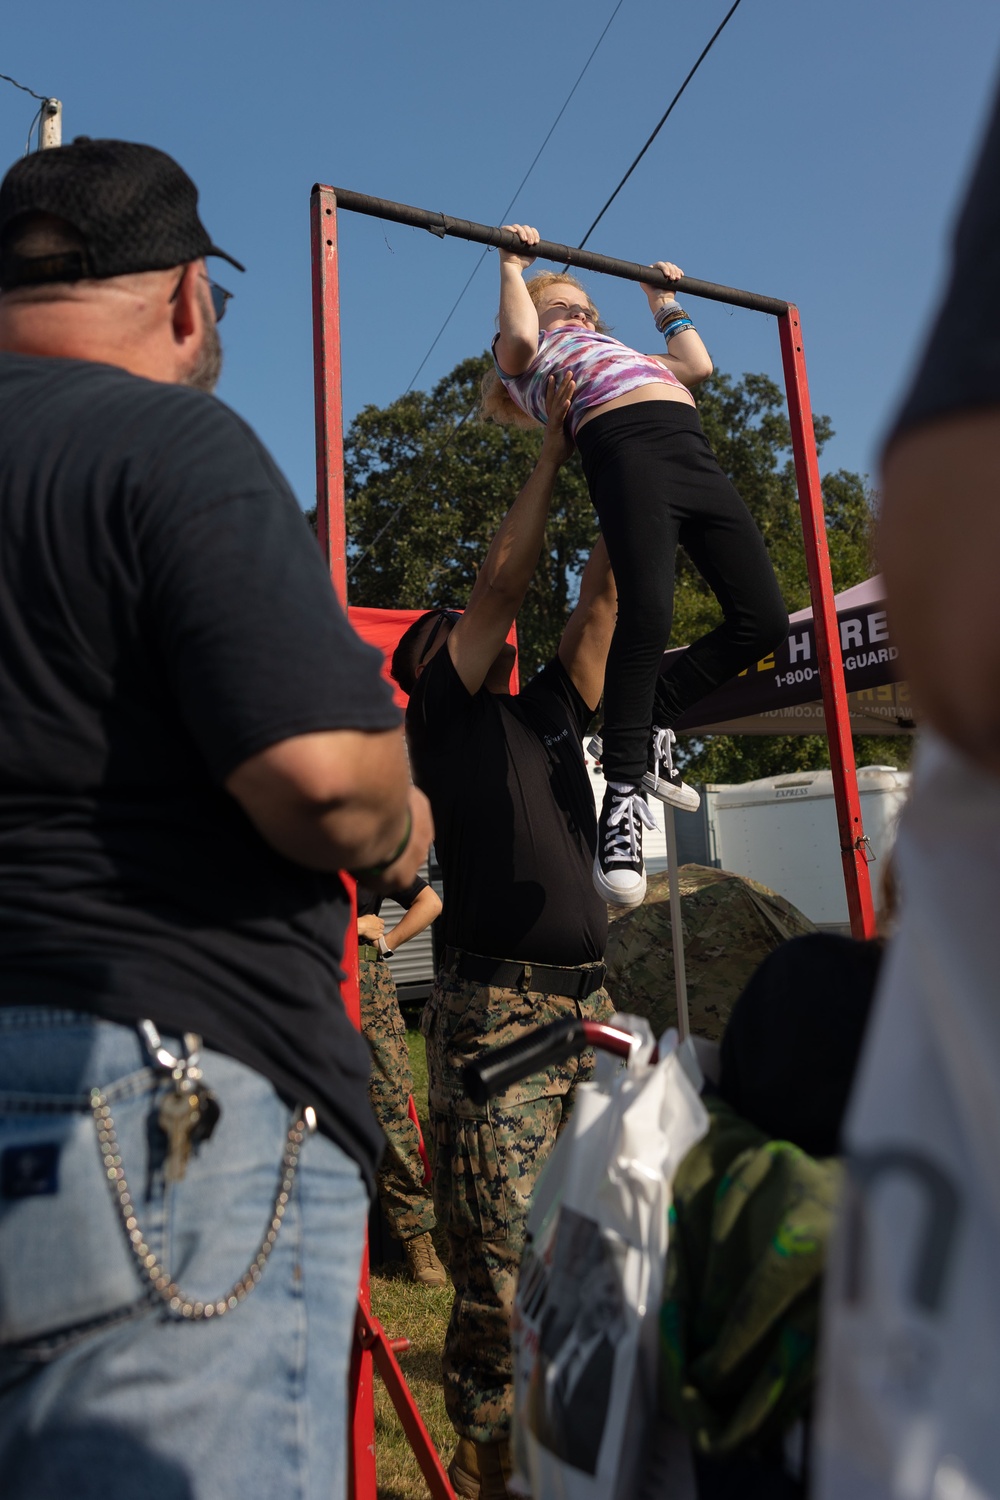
[615, 897]
[684, 798]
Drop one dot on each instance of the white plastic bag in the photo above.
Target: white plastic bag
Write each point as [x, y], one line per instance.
[586, 1315]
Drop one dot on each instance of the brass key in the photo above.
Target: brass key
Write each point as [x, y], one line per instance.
[179, 1114]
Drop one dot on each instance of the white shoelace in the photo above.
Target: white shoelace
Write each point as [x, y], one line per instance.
[621, 842]
[663, 743]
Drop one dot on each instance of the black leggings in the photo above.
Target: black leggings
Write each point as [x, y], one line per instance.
[656, 484]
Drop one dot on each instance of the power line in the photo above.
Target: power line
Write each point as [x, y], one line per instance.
[715, 36]
[517, 191]
[439, 452]
[24, 88]
[454, 432]
[43, 99]
[35, 120]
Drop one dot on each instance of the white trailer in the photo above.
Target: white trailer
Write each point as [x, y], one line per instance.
[782, 832]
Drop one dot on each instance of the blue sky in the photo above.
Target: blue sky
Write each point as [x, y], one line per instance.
[817, 156]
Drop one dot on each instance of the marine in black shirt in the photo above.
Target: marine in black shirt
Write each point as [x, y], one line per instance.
[515, 834]
[515, 826]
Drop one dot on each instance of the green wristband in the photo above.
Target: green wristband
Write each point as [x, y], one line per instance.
[372, 872]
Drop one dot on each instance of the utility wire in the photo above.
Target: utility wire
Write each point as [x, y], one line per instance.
[455, 430]
[517, 191]
[34, 122]
[42, 98]
[23, 87]
[439, 452]
[715, 36]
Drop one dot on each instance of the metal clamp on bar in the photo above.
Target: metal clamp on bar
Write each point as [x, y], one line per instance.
[550, 1045]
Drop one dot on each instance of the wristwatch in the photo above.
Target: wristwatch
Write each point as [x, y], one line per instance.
[383, 948]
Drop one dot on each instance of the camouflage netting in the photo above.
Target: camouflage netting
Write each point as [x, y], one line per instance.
[730, 925]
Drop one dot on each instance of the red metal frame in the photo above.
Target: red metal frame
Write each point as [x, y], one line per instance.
[331, 520]
[371, 1342]
[371, 1347]
[853, 845]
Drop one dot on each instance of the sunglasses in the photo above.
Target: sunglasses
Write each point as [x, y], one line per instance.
[444, 616]
[218, 294]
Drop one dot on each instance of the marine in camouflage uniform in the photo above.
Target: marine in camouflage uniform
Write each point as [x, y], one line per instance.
[487, 1159]
[405, 1199]
[403, 1195]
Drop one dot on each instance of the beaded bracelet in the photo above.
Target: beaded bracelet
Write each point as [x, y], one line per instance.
[668, 313]
[372, 872]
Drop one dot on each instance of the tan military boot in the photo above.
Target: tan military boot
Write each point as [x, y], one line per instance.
[421, 1257]
[494, 1469]
[463, 1471]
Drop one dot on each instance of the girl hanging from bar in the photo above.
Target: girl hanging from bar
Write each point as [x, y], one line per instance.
[655, 484]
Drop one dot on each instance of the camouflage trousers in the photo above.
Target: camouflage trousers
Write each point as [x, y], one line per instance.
[487, 1159]
[406, 1201]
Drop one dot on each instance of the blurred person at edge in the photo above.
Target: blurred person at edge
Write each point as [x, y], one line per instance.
[193, 742]
[911, 1375]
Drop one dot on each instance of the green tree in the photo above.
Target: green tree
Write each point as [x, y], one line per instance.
[428, 484]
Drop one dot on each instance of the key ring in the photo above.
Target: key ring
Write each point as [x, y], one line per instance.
[182, 1068]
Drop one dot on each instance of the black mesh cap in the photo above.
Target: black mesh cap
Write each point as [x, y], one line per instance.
[134, 207]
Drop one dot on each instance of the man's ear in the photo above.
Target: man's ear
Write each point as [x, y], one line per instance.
[186, 313]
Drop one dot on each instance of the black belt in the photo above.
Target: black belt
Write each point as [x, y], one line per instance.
[543, 979]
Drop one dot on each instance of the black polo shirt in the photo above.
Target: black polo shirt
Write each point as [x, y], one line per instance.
[515, 825]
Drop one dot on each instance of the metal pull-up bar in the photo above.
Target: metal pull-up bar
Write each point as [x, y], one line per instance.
[567, 255]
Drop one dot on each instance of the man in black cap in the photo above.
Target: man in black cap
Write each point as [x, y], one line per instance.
[192, 743]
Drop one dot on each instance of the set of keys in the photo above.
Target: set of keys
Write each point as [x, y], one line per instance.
[189, 1112]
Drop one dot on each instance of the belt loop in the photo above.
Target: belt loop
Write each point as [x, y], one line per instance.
[524, 983]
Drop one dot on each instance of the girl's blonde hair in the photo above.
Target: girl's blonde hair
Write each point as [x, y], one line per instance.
[494, 404]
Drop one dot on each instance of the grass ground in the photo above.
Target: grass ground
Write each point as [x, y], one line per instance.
[421, 1315]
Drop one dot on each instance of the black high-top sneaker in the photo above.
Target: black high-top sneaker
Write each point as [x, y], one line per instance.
[662, 779]
[618, 873]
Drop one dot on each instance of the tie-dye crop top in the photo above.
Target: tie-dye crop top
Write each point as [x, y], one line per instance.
[602, 367]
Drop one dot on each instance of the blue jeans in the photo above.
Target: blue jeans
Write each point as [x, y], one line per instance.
[102, 1392]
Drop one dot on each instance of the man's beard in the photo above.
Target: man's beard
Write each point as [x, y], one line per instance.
[204, 373]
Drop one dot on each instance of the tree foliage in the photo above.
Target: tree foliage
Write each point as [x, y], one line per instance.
[428, 484]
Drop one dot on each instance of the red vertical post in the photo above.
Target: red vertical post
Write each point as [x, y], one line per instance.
[853, 846]
[331, 518]
[331, 529]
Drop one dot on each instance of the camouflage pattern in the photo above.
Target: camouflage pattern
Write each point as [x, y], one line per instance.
[406, 1201]
[487, 1159]
[730, 925]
